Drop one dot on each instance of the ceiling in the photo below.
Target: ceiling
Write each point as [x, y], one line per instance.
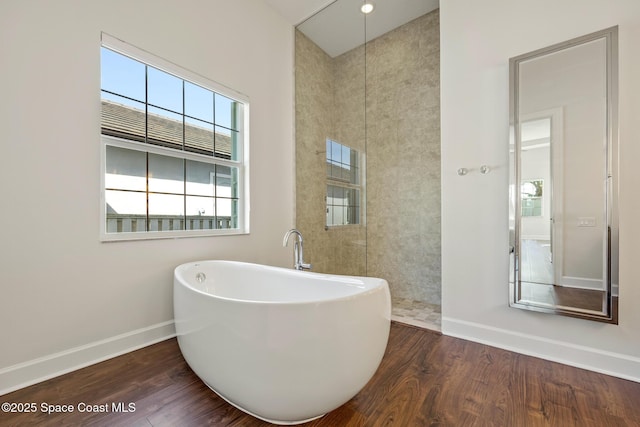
[296, 11]
[340, 27]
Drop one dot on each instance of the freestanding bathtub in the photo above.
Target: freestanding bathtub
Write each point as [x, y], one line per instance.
[285, 346]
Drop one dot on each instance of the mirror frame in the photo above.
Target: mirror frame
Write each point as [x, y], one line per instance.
[609, 312]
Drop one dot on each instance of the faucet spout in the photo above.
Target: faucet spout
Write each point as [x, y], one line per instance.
[288, 234]
[298, 254]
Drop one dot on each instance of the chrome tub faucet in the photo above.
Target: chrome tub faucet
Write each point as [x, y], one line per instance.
[298, 256]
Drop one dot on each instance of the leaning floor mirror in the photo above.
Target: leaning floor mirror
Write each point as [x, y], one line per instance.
[563, 151]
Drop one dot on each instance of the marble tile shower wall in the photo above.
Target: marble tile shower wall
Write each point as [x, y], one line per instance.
[403, 154]
[402, 231]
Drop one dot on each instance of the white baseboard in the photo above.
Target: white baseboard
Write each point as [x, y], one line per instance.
[43, 368]
[536, 237]
[581, 283]
[605, 362]
[418, 323]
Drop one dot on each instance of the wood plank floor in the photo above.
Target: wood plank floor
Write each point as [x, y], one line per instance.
[425, 379]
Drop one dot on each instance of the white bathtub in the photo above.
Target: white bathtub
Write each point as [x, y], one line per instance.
[282, 345]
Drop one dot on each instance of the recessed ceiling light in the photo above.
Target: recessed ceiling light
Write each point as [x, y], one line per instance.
[367, 8]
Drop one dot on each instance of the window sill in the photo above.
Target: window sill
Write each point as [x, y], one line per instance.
[151, 235]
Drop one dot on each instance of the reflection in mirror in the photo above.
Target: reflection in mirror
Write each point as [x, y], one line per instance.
[563, 178]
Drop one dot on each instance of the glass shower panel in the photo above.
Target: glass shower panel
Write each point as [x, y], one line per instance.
[331, 139]
[368, 148]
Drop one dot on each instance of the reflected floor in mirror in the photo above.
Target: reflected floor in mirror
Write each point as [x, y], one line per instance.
[584, 299]
[535, 261]
[416, 313]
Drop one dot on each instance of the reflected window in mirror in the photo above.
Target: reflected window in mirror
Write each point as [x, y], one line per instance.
[531, 192]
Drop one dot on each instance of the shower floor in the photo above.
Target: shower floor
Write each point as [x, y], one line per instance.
[416, 313]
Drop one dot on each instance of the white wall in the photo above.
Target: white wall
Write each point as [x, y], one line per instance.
[64, 296]
[477, 40]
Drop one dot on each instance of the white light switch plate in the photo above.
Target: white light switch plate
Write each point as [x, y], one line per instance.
[586, 221]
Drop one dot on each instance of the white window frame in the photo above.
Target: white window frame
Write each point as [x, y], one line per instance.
[360, 186]
[242, 164]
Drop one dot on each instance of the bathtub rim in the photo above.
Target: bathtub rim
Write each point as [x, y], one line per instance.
[379, 286]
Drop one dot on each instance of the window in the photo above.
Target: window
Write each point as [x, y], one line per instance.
[173, 149]
[531, 195]
[343, 184]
